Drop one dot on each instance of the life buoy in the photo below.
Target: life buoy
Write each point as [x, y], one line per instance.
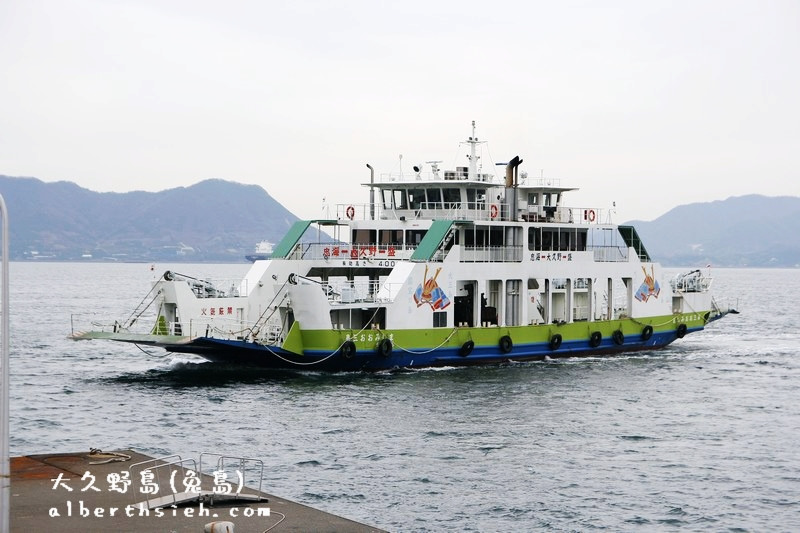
[350, 212]
[595, 339]
[618, 337]
[384, 348]
[555, 342]
[348, 349]
[647, 332]
[681, 331]
[493, 211]
[590, 215]
[506, 345]
[466, 348]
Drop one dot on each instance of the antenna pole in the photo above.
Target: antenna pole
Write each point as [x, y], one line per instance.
[5, 465]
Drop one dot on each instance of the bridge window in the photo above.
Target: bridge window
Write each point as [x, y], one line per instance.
[416, 197]
[400, 199]
[434, 198]
[452, 198]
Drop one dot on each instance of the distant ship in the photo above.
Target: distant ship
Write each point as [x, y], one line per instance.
[263, 251]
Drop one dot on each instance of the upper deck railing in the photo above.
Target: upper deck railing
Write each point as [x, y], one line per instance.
[474, 211]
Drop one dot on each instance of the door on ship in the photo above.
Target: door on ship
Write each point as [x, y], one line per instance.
[464, 310]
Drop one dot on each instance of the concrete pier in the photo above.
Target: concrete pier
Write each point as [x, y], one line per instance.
[86, 492]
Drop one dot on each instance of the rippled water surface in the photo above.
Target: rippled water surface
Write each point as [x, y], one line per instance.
[700, 436]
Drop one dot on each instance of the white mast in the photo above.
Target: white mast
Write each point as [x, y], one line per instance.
[472, 173]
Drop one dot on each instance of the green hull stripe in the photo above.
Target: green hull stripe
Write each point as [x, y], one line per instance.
[426, 339]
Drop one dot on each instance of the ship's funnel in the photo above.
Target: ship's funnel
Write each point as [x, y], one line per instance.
[510, 168]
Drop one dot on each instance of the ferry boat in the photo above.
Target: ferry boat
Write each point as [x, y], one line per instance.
[440, 268]
[263, 250]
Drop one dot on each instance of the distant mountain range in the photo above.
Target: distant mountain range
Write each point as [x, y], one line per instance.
[213, 220]
[221, 221]
[742, 231]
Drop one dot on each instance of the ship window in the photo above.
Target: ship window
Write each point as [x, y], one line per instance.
[414, 236]
[533, 198]
[581, 244]
[440, 319]
[547, 240]
[434, 198]
[452, 198]
[400, 199]
[387, 198]
[363, 236]
[416, 197]
[391, 236]
[476, 198]
[534, 238]
[564, 240]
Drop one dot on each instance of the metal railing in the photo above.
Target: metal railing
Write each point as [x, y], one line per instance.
[491, 254]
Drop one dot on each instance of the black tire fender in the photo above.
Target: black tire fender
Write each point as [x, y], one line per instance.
[555, 342]
[595, 339]
[506, 344]
[466, 348]
[348, 349]
[384, 348]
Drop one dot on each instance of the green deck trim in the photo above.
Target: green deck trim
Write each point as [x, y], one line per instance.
[633, 240]
[294, 340]
[285, 247]
[426, 339]
[431, 241]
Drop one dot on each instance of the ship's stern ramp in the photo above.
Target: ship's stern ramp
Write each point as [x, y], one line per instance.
[163, 341]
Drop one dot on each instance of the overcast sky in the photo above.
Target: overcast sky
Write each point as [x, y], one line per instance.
[647, 104]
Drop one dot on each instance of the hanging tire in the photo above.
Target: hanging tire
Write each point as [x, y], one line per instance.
[681, 331]
[555, 342]
[618, 337]
[647, 332]
[506, 345]
[466, 348]
[348, 349]
[595, 339]
[384, 348]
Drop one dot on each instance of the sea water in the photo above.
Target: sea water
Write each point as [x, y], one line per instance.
[702, 435]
